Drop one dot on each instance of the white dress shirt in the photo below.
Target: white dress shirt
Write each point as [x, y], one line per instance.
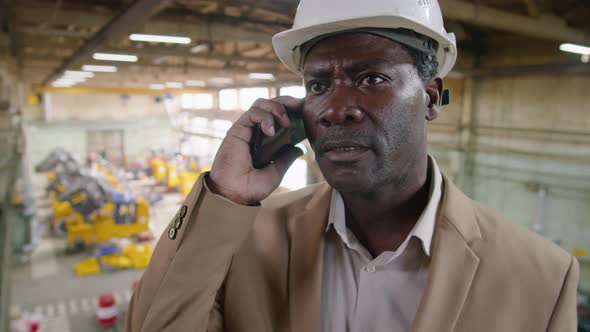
[363, 294]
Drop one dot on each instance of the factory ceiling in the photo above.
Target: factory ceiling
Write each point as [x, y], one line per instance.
[227, 40]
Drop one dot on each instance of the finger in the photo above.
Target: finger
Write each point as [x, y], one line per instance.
[282, 164]
[276, 108]
[290, 102]
[258, 116]
[295, 105]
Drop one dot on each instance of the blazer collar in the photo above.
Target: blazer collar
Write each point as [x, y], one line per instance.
[305, 263]
[452, 267]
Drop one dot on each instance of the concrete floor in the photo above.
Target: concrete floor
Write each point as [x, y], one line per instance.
[46, 284]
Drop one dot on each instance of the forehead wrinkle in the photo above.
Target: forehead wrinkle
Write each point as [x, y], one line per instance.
[332, 52]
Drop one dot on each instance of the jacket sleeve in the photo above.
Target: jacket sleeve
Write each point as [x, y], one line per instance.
[565, 317]
[178, 290]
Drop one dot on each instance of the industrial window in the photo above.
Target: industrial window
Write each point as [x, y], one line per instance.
[249, 95]
[293, 91]
[228, 99]
[198, 101]
[220, 127]
[199, 125]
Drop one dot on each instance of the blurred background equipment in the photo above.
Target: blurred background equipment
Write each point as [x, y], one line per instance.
[111, 110]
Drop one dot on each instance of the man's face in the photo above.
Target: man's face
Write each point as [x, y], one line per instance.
[365, 111]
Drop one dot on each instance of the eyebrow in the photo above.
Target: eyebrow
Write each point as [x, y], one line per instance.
[318, 71]
[363, 65]
[325, 70]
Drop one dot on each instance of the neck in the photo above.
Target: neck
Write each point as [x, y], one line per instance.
[393, 213]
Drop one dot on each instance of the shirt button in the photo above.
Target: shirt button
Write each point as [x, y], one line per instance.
[370, 269]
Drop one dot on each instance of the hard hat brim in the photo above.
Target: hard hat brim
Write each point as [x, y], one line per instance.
[287, 44]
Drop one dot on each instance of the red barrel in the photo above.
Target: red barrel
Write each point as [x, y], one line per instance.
[106, 314]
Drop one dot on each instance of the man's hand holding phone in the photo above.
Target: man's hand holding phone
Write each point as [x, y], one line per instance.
[233, 174]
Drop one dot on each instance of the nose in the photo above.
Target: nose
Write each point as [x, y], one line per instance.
[341, 116]
[342, 110]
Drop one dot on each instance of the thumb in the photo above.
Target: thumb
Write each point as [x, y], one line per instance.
[282, 164]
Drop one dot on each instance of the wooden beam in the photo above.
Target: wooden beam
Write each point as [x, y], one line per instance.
[152, 53]
[51, 60]
[134, 14]
[532, 8]
[557, 68]
[541, 28]
[109, 90]
[171, 20]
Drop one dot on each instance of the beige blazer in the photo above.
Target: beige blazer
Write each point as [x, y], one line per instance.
[236, 268]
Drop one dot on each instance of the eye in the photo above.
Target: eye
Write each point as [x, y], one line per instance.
[371, 79]
[316, 87]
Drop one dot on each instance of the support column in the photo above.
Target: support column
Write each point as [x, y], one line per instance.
[465, 158]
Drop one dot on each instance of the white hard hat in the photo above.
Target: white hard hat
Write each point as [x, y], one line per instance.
[315, 18]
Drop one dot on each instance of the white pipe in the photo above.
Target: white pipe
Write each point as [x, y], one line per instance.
[539, 225]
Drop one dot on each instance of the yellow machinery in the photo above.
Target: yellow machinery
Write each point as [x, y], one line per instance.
[139, 255]
[132, 256]
[87, 267]
[172, 178]
[62, 169]
[62, 210]
[190, 176]
[108, 174]
[177, 172]
[159, 169]
[103, 227]
[579, 252]
[187, 180]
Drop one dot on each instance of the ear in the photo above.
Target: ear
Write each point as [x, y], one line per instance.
[434, 90]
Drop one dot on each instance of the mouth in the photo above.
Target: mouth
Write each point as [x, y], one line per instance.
[344, 151]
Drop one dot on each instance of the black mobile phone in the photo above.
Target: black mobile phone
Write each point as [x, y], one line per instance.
[264, 149]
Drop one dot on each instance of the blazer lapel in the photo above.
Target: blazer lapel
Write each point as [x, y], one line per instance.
[305, 266]
[453, 264]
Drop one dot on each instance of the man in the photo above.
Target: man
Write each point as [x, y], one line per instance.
[389, 243]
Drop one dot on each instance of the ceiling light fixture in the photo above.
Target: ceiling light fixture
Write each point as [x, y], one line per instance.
[199, 48]
[67, 81]
[115, 57]
[100, 69]
[58, 84]
[157, 86]
[195, 83]
[573, 48]
[261, 76]
[71, 80]
[174, 85]
[221, 80]
[78, 73]
[160, 39]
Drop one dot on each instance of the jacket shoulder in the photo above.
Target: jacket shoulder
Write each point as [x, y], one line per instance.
[296, 198]
[279, 209]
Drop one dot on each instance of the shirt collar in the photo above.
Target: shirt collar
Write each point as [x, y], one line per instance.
[423, 230]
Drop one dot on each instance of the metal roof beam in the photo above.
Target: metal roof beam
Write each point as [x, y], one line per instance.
[542, 27]
[153, 54]
[136, 13]
[198, 27]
